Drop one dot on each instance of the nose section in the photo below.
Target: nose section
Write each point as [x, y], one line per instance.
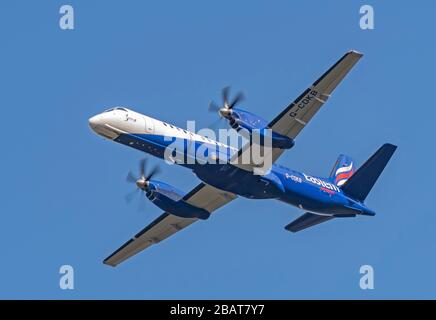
[94, 121]
[100, 124]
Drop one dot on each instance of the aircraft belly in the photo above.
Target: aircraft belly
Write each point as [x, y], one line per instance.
[312, 198]
[232, 179]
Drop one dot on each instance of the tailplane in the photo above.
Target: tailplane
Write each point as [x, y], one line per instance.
[307, 220]
[361, 182]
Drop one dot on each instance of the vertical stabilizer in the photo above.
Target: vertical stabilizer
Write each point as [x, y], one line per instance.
[361, 182]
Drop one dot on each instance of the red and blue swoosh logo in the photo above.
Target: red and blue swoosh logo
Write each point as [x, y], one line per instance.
[343, 174]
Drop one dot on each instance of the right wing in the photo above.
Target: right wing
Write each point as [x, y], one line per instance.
[203, 196]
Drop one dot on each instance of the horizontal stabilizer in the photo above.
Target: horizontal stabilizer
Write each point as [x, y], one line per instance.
[307, 220]
[361, 182]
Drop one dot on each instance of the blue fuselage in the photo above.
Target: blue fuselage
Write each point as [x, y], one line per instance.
[312, 194]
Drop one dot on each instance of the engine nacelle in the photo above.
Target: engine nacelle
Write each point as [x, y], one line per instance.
[240, 119]
[171, 200]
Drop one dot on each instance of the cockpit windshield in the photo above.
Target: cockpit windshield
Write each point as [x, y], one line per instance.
[118, 108]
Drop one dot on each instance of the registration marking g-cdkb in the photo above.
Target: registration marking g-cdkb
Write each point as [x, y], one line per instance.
[304, 102]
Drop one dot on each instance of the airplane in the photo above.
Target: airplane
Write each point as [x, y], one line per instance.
[340, 195]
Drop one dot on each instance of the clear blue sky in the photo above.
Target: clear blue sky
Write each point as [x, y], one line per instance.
[63, 187]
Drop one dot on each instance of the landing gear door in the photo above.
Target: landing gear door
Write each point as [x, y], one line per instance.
[149, 126]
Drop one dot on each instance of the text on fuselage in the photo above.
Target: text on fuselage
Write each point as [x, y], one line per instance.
[321, 183]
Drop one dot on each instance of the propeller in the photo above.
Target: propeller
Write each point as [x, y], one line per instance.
[142, 182]
[226, 110]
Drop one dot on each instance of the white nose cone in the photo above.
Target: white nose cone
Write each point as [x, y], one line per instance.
[94, 122]
[99, 126]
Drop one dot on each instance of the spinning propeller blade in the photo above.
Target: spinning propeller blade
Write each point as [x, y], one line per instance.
[226, 110]
[142, 182]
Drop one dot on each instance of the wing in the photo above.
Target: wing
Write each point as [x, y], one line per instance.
[297, 115]
[203, 196]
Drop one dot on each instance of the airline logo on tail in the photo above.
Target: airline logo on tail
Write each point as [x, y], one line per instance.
[343, 174]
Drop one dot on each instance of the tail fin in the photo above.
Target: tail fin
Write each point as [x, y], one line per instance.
[362, 181]
[342, 170]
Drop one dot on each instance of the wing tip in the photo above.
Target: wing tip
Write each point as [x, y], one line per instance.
[291, 229]
[355, 53]
[111, 264]
[390, 145]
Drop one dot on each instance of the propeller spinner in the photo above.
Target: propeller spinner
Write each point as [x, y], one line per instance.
[226, 110]
[143, 181]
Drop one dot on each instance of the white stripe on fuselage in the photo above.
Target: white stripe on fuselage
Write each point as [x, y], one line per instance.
[136, 123]
[168, 130]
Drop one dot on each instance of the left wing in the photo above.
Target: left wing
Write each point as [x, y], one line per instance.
[203, 196]
[298, 114]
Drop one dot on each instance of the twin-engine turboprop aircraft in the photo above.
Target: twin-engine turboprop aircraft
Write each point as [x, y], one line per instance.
[340, 195]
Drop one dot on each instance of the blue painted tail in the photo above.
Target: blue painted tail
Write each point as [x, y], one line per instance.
[361, 182]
